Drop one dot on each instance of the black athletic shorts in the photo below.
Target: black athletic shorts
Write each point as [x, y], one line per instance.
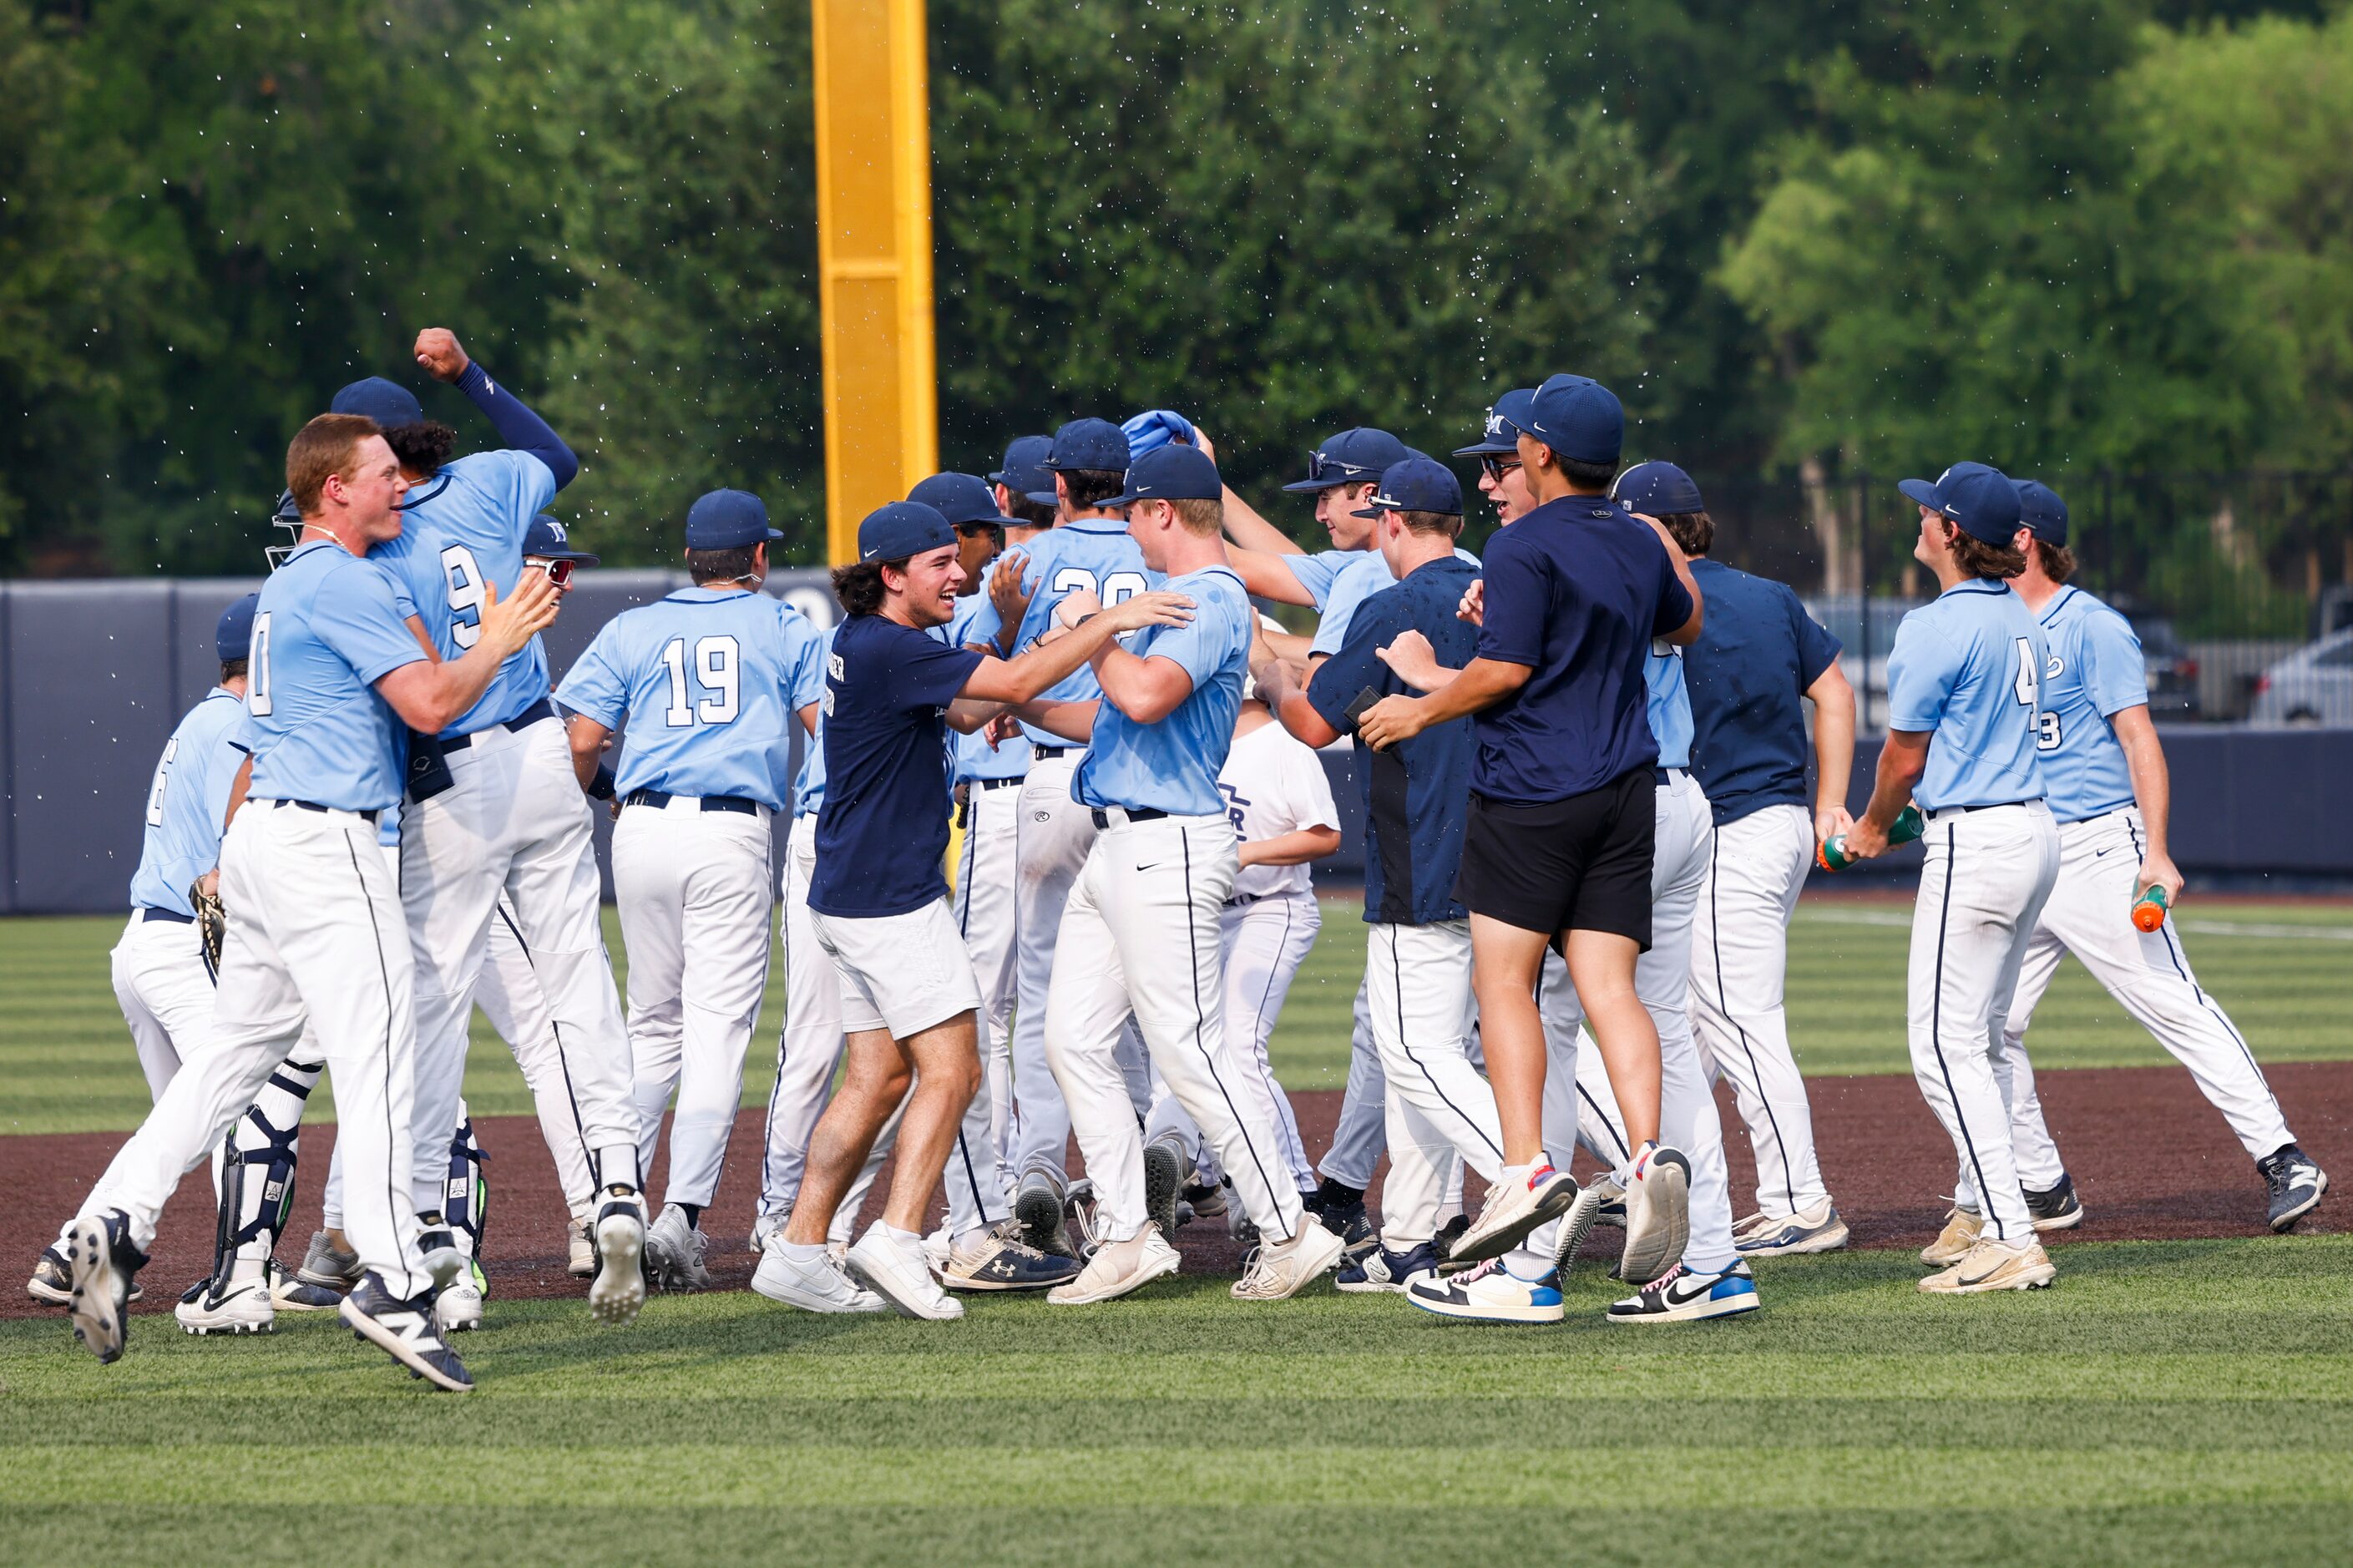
[1579, 864]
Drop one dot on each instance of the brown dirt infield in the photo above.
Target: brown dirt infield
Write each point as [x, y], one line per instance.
[2151, 1159]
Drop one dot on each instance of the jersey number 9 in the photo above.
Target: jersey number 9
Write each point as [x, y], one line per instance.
[717, 671]
[465, 580]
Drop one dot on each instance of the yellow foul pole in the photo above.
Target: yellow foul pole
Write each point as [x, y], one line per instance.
[874, 256]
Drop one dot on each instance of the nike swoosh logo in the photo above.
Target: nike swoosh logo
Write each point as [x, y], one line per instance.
[1154, 865]
[2097, 853]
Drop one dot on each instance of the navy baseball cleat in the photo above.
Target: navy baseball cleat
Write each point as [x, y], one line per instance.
[2055, 1207]
[1163, 1179]
[1359, 1239]
[406, 1331]
[101, 1264]
[1679, 1296]
[999, 1260]
[2295, 1182]
[52, 1281]
[1382, 1270]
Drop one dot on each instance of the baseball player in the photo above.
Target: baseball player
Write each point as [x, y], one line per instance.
[1280, 801]
[1155, 885]
[1964, 710]
[878, 902]
[494, 804]
[1558, 842]
[314, 936]
[1024, 472]
[1418, 950]
[1087, 552]
[1757, 661]
[2109, 791]
[707, 682]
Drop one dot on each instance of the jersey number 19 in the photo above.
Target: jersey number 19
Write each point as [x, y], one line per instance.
[716, 670]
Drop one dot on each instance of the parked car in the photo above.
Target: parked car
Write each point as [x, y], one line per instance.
[2311, 686]
[2172, 673]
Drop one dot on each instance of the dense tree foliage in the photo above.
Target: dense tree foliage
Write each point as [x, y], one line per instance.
[2080, 232]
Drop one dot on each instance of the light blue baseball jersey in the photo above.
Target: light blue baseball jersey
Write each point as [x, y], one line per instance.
[1319, 572]
[461, 528]
[327, 629]
[188, 802]
[809, 784]
[1670, 703]
[2096, 671]
[1968, 668]
[972, 758]
[1173, 765]
[1362, 574]
[710, 683]
[1096, 554]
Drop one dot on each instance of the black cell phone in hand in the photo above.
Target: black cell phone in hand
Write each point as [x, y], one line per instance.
[1363, 700]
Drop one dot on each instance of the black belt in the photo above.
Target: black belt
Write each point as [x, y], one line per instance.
[1048, 754]
[1658, 776]
[1238, 900]
[709, 801]
[994, 783]
[543, 709]
[1965, 810]
[1134, 814]
[366, 817]
[151, 913]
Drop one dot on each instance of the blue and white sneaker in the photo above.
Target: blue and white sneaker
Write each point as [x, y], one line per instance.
[1815, 1230]
[1679, 1295]
[1489, 1293]
[406, 1331]
[1385, 1270]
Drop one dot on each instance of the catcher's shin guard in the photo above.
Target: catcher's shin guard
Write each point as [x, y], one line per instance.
[465, 1200]
[257, 1160]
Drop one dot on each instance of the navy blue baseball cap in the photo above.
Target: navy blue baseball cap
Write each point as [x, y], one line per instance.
[1171, 473]
[900, 529]
[547, 541]
[1579, 418]
[1352, 457]
[1506, 420]
[1093, 444]
[2039, 508]
[1025, 466]
[1418, 484]
[1657, 489]
[233, 637]
[963, 499]
[388, 403]
[728, 520]
[1978, 498]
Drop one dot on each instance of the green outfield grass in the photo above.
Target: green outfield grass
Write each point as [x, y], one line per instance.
[66, 1063]
[2166, 1402]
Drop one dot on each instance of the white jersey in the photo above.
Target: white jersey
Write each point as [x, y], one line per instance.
[1274, 785]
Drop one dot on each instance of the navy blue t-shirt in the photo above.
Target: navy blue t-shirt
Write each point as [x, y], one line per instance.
[883, 832]
[1758, 652]
[1415, 799]
[1576, 591]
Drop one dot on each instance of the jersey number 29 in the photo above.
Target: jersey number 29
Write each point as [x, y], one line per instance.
[717, 671]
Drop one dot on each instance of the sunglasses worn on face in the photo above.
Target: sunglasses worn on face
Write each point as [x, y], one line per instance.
[558, 572]
[1495, 465]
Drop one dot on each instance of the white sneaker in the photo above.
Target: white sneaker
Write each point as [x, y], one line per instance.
[1283, 1269]
[895, 1271]
[814, 1285]
[1513, 1209]
[458, 1307]
[674, 1252]
[618, 1291]
[938, 1248]
[241, 1307]
[1118, 1268]
[1815, 1230]
[583, 1262]
[762, 1228]
[1658, 1213]
[1487, 1294]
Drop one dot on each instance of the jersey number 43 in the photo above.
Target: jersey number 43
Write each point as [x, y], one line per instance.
[2028, 688]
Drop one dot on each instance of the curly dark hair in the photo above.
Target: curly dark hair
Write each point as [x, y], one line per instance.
[422, 448]
[859, 585]
[2058, 560]
[1093, 486]
[1694, 531]
[1978, 559]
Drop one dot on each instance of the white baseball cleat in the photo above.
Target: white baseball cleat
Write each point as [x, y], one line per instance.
[1814, 1229]
[1962, 1228]
[1993, 1265]
[101, 1264]
[896, 1272]
[1118, 1268]
[813, 1284]
[618, 1291]
[1281, 1270]
[674, 1252]
[237, 1307]
[582, 1264]
[458, 1308]
[1513, 1209]
[1578, 1223]
[1658, 1212]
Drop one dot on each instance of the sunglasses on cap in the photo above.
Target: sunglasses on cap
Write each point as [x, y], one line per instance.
[558, 570]
[1495, 465]
[1320, 466]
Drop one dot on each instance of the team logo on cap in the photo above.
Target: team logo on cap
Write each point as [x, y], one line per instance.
[556, 531]
[1495, 424]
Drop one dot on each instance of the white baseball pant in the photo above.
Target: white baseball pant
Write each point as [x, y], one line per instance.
[1051, 840]
[984, 905]
[1140, 935]
[314, 938]
[1439, 1109]
[1983, 884]
[808, 1049]
[165, 989]
[1740, 958]
[2089, 914]
[1362, 1130]
[1265, 941]
[691, 887]
[513, 821]
[508, 994]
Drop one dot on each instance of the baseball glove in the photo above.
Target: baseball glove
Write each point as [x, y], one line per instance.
[211, 922]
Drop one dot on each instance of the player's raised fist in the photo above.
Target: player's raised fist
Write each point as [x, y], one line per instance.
[440, 351]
